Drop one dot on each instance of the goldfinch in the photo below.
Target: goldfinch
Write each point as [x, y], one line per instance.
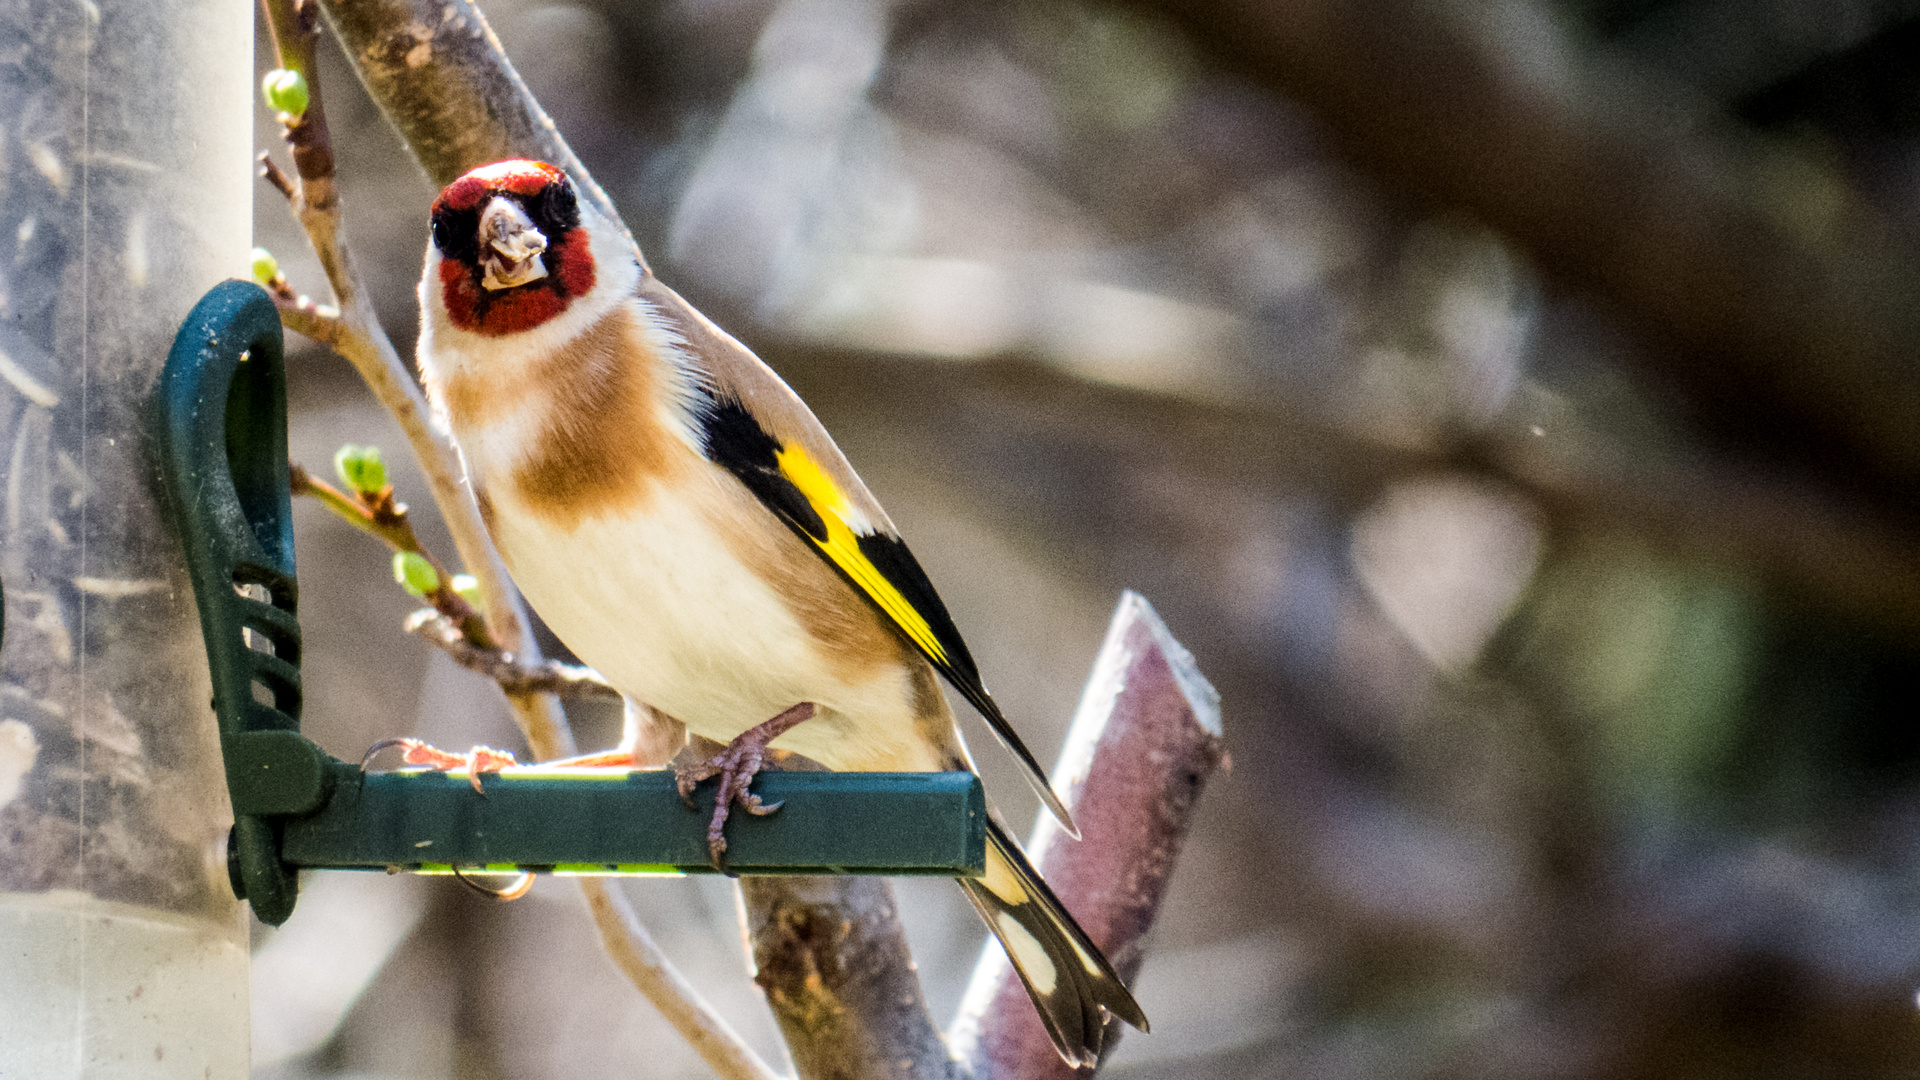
[682, 521]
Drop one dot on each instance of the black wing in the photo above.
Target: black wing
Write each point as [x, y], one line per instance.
[787, 480]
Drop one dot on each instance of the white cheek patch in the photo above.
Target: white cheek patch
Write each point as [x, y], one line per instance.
[1027, 953]
[494, 449]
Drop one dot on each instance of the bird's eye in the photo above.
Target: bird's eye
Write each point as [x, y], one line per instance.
[556, 209]
[442, 236]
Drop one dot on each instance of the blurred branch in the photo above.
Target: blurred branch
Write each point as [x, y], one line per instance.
[1811, 539]
[1806, 543]
[1727, 51]
[640, 959]
[1145, 740]
[1801, 337]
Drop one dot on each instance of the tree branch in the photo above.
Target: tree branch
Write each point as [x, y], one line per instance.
[513, 674]
[1802, 337]
[1143, 743]
[832, 958]
[353, 331]
[440, 76]
[830, 952]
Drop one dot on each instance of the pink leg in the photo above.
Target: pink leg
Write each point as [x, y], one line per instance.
[476, 761]
[486, 759]
[736, 767]
[605, 759]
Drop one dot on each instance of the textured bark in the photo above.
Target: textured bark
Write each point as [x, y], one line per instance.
[438, 73]
[1145, 740]
[833, 961]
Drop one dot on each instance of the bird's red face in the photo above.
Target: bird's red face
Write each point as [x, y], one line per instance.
[513, 252]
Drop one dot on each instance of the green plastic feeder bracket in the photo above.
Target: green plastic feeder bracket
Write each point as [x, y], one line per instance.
[224, 429]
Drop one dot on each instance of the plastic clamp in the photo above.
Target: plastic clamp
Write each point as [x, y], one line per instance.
[223, 403]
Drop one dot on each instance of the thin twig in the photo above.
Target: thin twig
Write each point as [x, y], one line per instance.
[377, 514]
[349, 510]
[639, 958]
[353, 331]
[505, 668]
[299, 312]
[270, 171]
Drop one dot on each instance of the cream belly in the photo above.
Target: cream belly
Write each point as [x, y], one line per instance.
[660, 603]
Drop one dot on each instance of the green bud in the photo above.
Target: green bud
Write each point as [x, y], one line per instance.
[361, 469]
[468, 588]
[265, 266]
[286, 92]
[414, 573]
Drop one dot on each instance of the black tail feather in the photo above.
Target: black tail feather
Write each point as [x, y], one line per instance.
[1072, 985]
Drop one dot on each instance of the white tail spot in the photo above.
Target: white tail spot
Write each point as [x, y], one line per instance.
[1027, 953]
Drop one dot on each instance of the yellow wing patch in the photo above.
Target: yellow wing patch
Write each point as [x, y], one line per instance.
[843, 547]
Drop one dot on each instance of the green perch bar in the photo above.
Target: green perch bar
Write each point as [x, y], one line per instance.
[606, 822]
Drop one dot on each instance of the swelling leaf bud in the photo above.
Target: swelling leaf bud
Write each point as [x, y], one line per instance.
[467, 587]
[265, 266]
[414, 573]
[361, 468]
[286, 92]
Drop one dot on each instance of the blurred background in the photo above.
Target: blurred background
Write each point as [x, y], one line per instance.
[1513, 405]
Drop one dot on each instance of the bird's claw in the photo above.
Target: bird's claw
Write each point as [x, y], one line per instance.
[736, 766]
[415, 752]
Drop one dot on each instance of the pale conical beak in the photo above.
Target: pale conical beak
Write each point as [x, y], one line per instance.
[510, 246]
